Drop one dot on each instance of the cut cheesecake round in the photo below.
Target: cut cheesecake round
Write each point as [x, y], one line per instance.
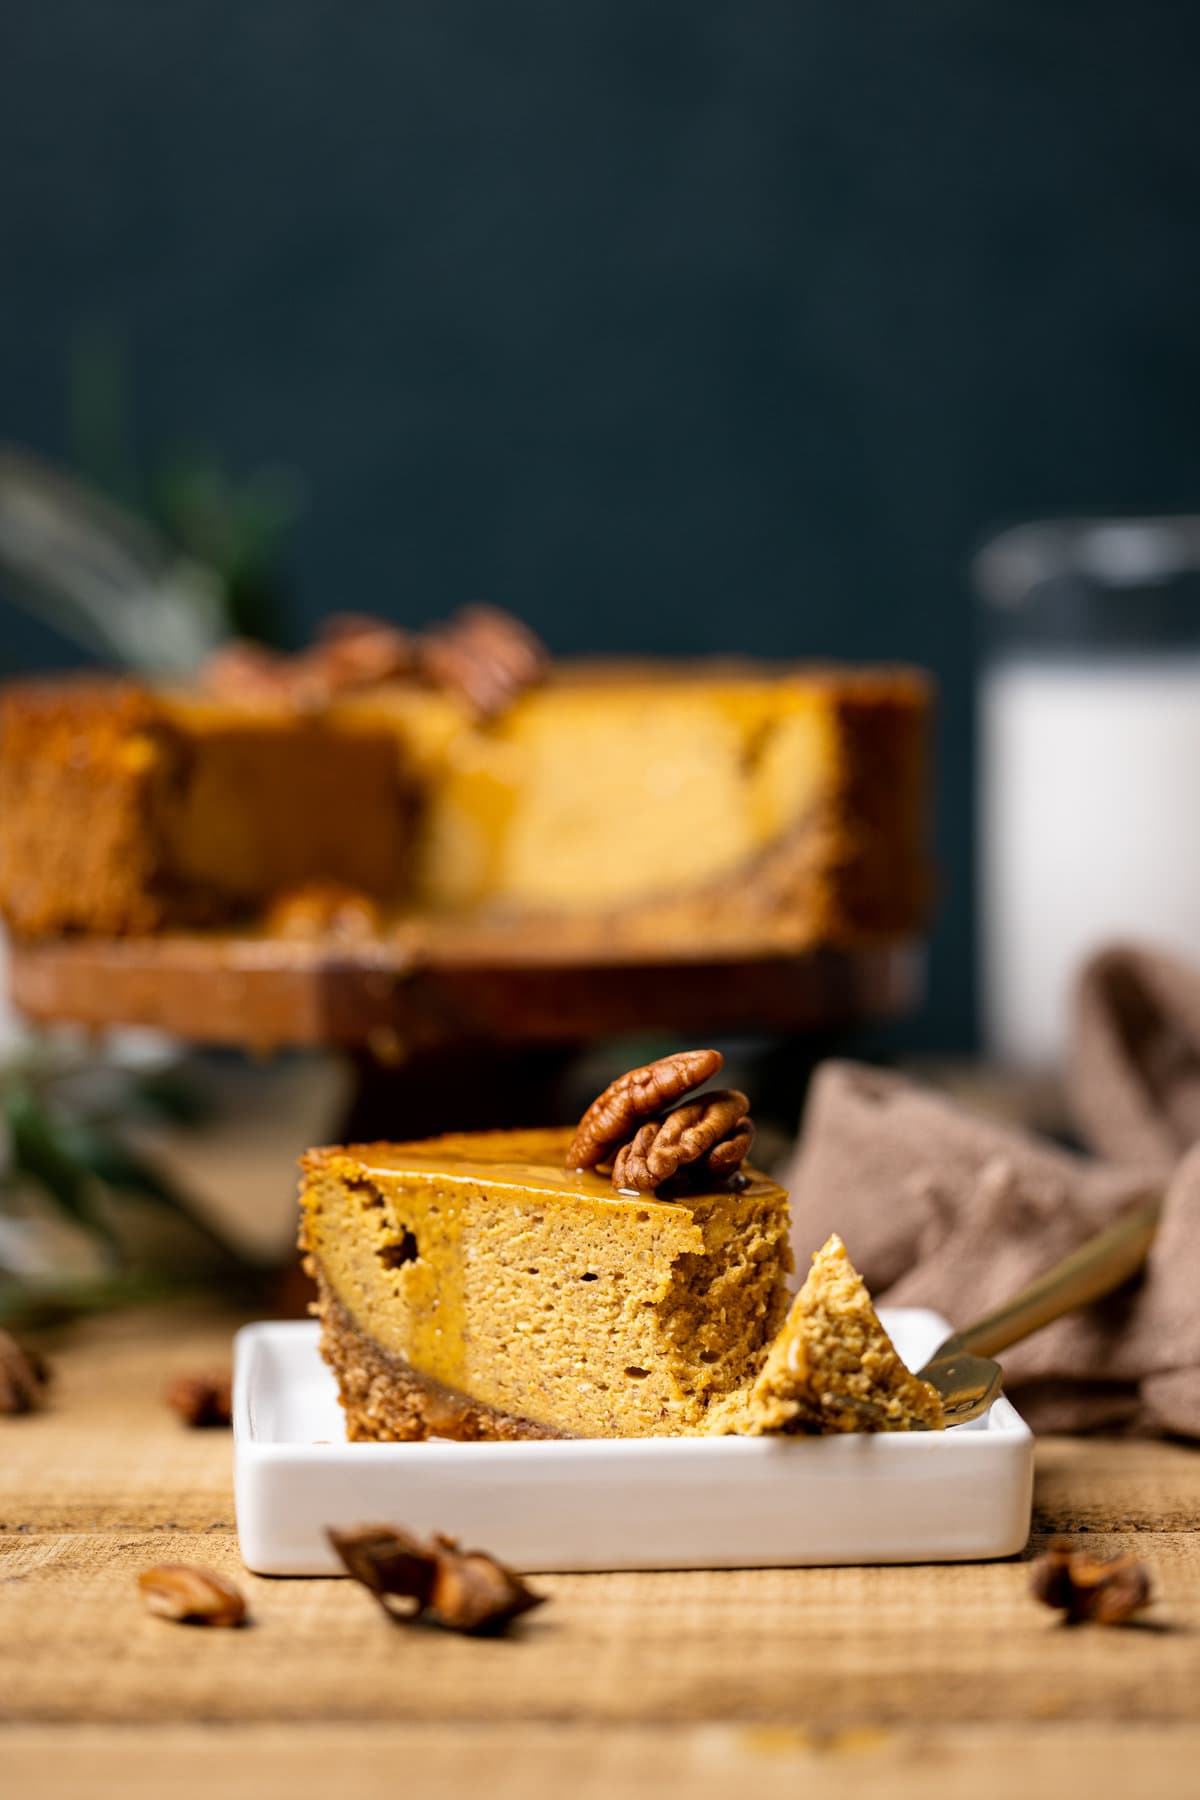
[750, 808]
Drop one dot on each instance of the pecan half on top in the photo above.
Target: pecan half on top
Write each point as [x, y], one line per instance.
[710, 1136]
[648, 1145]
[613, 1118]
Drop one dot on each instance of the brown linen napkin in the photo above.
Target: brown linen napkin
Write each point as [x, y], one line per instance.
[940, 1207]
[1133, 1068]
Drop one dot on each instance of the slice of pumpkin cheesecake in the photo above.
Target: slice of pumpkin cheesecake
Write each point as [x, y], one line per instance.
[625, 1280]
[473, 1287]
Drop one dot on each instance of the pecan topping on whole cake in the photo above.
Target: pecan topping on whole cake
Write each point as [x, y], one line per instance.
[243, 671]
[357, 650]
[647, 1145]
[485, 656]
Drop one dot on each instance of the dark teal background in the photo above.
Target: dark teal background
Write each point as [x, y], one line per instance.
[672, 326]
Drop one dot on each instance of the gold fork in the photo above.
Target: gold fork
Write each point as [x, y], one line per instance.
[964, 1370]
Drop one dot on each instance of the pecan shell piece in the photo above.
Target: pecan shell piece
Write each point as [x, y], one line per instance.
[463, 1590]
[1097, 1590]
[190, 1595]
[202, 1401]
[24, 1377]
[635, 1097]
[708, 1136]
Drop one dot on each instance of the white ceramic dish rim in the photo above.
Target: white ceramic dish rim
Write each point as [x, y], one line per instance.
[1001, 1424]
[620, 1503]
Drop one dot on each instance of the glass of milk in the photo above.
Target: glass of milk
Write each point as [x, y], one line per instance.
[1089, 788]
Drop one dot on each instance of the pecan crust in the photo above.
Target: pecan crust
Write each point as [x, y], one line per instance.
[710, 1136]
[1098, 1590]
[463, 1590]
[24, 1377]
[632, 1099]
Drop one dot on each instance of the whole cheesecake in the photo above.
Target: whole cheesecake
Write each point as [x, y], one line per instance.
[755, 807]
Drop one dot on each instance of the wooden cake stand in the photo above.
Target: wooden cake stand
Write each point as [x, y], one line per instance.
[468, 1003]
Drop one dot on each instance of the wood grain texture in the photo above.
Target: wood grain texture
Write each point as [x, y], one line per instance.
[903, 1680]
[491, 987]
[587, 1762]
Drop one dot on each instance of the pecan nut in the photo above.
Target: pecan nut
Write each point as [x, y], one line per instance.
[240, 670]
[191, 1596]
[353, 651]
[24, 1377]
[634, 1098]
[485, 656]
[463, 1590]
[358, 650]
[1100, 1590]
[202, 1401]
[708, 1136]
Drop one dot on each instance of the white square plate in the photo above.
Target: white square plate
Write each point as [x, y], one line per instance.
[621, 1503]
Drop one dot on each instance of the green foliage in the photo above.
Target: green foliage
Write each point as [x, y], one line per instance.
[47, 1151]
[239, 530]
[146, 561]
[65, 1120]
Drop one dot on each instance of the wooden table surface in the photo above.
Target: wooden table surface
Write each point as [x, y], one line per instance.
[904, 1681]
